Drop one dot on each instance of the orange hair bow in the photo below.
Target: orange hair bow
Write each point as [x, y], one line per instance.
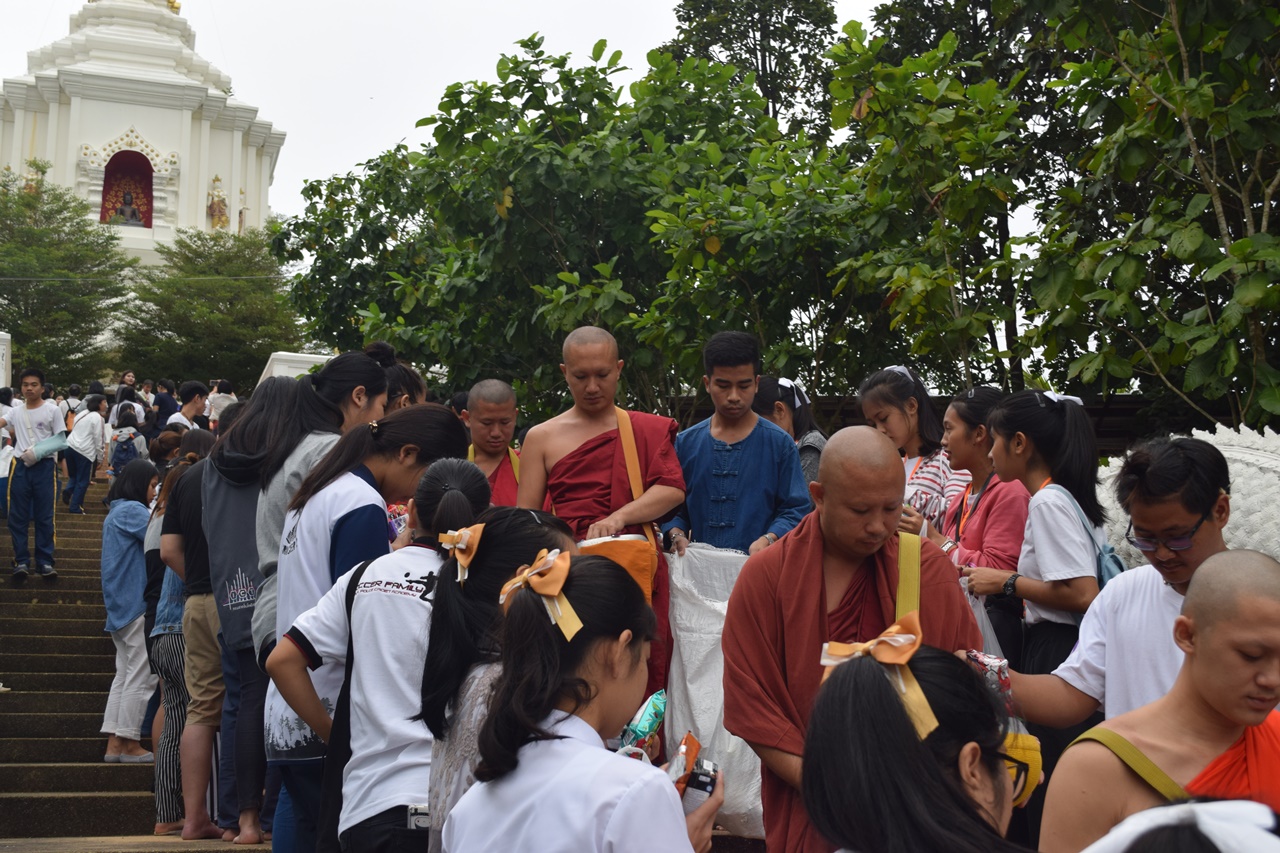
[462, 544]
[893, 649]
[546, 577]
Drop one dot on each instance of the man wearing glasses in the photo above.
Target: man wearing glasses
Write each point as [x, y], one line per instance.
[1177, 493]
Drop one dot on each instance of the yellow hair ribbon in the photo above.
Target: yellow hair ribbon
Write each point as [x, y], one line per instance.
[892, 649]
[462, 544]
[546, 577]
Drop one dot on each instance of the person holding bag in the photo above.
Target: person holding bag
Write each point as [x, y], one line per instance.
[38, 433]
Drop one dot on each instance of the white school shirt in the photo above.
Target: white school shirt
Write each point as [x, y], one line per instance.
[570, 795]
[85, 437]
[1126, 657]
[179, 418]
[390, 617]
[303, 576]
[29, 427]
[1055, 547]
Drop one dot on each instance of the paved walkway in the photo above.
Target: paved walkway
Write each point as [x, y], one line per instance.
[122, 844]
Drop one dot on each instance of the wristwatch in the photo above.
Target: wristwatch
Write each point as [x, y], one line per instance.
[772, 537]
[1011, 584]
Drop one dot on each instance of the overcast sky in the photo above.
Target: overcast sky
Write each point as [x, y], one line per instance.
[348, 80]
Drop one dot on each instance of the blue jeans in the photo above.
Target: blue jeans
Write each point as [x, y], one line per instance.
[228, 808]
[305, 783]
[32, 492]
[79, 473]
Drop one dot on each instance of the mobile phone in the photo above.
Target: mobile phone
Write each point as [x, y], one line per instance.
[702, 782]
[419, 817]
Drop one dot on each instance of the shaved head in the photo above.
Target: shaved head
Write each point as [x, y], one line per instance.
[862, 447]
[858, 493]
[1224, 579]
[586, 336]
[493, 391]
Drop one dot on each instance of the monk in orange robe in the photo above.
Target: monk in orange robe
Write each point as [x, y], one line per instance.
[490, 415]
[833, 578]
[576, 459]
[1216, 733]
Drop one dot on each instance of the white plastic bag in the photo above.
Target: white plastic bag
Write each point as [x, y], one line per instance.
[701, 581]
[978, 604]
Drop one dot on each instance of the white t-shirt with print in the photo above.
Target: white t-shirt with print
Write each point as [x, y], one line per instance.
[1126, 657]
[29, 427]
[390, 761]
[1055, 547]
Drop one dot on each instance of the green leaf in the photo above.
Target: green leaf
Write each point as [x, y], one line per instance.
[714, 155]
[1197, 205]
[1184, 242]
[1251, 289]
[598, 50]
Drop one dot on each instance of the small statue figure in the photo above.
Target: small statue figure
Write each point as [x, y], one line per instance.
[218, 205]
[130, 214]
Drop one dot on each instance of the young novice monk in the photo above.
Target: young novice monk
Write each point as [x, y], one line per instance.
[1216, 734]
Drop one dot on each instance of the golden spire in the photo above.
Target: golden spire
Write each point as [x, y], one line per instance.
[174, 6]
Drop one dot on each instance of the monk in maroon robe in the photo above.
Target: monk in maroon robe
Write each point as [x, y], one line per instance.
[833, 578]
[576, 460]
[490, 416]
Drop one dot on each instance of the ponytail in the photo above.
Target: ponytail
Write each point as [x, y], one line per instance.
[876, 785]
[540, 668]
[432, 428]
[1062, 434]
[465, 618]
[450, 495]
[894, 386]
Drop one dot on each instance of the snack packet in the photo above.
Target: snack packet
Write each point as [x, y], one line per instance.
[644, 724]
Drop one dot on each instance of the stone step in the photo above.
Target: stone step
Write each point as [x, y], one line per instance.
[65, 627]
[76, 580]
[43, 701]
[54, 682]
[89, 814]
[130, 844]
[60, 663]
[38, 750]
[38, 590]
[27, 610]
[46, 724]
[57, 645]
[97, 776]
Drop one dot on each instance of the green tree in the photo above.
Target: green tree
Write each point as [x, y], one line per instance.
[216, 308]
[62, 277]
[1180, 102]
[781, 44]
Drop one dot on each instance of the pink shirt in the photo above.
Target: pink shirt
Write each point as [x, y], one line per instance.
[992, 534]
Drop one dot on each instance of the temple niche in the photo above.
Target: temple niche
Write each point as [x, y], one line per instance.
[126, 190]
[140, 126]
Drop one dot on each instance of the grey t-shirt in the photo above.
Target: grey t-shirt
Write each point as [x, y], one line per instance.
[273, 504]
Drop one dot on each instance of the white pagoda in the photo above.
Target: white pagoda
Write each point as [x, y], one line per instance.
[140, 126]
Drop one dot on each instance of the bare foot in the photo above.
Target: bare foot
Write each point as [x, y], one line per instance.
[228, 835]
[193, 833]
[168, 828]
[249, 836]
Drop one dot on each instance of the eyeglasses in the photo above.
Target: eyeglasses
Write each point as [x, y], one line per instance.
[1018, 772]
[1173, 543]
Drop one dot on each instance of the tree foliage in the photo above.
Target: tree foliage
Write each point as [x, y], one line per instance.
[216, 308]
[1144, 139]
[62, 277]
[782, 44]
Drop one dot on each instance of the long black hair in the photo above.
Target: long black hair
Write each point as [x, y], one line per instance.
[402, 380]
[323, 392]
[874, 785]
[894, 386]
[1062, 434]
[265, 428]
[131, 484]
[973, 405]
[540, 667]
[433, 429]
[465, 618]
[772, 391]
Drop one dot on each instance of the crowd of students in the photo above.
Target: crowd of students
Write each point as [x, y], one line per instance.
[425, 639]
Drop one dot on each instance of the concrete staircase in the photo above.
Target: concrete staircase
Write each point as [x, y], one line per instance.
[58, 663]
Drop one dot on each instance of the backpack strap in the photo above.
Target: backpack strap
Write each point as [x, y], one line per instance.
[627, 436]
[1136, 761]
[908, 575]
